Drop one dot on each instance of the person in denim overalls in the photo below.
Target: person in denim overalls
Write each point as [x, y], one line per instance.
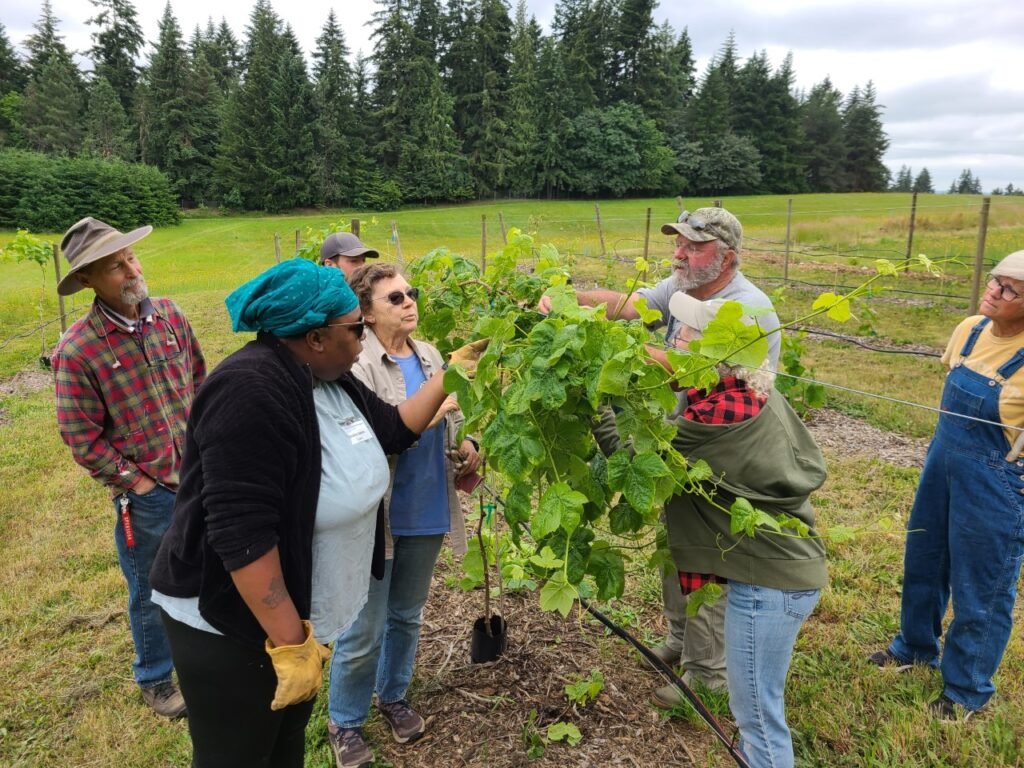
[966, 530]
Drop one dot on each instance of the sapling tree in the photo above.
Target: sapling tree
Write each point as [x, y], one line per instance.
[546, 380]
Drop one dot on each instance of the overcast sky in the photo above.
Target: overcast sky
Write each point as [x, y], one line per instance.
[948, 72]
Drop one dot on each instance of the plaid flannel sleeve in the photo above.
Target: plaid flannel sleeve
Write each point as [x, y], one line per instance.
[80, 416]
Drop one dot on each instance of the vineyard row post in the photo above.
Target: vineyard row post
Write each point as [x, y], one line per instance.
[647, 235]
[298, 240]
[483, 243]
[979, 255]
[60, 299]
[913, 220]
[277, 247]
[355, 227]
[398, 243]
[789, 224]
[600, 229]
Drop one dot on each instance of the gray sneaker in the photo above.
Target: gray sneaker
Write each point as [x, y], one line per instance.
[165, 699]
[406, 724]
[350, 749]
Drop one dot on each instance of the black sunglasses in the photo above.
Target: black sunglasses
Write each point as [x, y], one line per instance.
[358, 327]
[397, 298]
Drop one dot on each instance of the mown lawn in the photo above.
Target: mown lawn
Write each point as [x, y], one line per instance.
[66, 694]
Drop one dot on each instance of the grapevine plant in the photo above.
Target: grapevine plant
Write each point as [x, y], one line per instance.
[542, 385]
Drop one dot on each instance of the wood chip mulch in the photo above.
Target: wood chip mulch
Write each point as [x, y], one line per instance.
[477, 714]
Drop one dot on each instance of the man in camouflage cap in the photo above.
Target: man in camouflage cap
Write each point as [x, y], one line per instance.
[705, 265]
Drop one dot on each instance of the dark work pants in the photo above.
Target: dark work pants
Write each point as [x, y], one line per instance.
[228, 687]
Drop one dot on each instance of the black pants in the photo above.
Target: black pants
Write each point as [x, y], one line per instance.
[228, 687]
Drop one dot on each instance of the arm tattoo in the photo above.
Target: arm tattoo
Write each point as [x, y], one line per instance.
[277, 594]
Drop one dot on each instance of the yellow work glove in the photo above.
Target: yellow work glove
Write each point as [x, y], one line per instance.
[299, 669]
[469, 355]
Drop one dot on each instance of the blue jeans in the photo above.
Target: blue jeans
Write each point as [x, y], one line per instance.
[761, 625]
[378, 651]
[150, 516]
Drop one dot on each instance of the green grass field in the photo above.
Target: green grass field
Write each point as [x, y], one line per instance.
[66, 694]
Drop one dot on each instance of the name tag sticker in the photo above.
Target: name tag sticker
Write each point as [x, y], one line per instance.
[357, 430]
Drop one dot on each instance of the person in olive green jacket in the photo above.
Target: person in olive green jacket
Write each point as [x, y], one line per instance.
[759, 450]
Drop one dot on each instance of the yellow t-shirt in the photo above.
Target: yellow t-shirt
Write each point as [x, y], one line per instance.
[990, 353]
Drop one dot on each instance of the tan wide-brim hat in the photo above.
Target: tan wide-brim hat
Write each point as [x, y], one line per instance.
[88, 241]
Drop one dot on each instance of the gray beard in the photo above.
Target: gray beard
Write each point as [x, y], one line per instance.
[134, 293]
[690, 278]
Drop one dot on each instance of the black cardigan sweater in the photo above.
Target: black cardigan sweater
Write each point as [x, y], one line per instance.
[250, 481]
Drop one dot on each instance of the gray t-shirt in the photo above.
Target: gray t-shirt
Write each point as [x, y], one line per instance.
[738, 289]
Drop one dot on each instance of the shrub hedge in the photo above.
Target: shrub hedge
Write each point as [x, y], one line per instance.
[44, 193]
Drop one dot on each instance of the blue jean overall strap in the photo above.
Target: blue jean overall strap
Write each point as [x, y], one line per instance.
[965, 537]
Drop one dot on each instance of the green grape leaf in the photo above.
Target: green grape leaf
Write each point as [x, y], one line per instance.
[624, 519]
[557, 595]
[547, 559]
[746, 519]
[700, 471]
[840, 534]
[838, 307]
[608, 569]
[648, 316]
[707, 595]
[728, 338]
[794, 524]
[560, 506]
[885, 267]
[614, 378]
[566, 732]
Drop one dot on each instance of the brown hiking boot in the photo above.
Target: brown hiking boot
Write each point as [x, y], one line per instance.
[406, 724]
[165, 699]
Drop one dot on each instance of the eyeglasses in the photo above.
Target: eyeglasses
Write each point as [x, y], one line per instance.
[1006, 292]
[358, 327]
[397, 298]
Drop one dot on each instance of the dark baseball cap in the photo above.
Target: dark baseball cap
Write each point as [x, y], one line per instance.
[344, 244]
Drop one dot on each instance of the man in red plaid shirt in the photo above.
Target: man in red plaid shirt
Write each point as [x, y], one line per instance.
[126, 374]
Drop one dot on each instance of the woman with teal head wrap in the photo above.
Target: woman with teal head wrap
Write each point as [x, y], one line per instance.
[275, 528]
[290, 299]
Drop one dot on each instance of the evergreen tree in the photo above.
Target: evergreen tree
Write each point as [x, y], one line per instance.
[711, 111]
[51, 113]
[635, 49]
[203, 105]
[266, 135]
[108, 132]
[553, 121]
[825, 146]
[484, 107]
[664, 83]
[966, 184]
[45, 44]
[334, 161]
[904, 180]
[13, 76]
[166, 79]
[767, 112]
[580, 46]
[524, 95]
[866, 142]
[115, 46]
[728, 165]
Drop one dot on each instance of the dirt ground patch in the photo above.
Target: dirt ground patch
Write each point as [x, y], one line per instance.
[25, 382]
[847, 436]
[477, 713]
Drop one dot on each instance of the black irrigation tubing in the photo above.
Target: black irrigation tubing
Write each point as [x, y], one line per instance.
[699, 707]
[28, 333]
[859, 343]
[702, 711]
[777, 278]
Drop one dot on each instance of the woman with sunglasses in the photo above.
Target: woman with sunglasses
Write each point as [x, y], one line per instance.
[272, 541]
[376, 654]
[965, 537]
